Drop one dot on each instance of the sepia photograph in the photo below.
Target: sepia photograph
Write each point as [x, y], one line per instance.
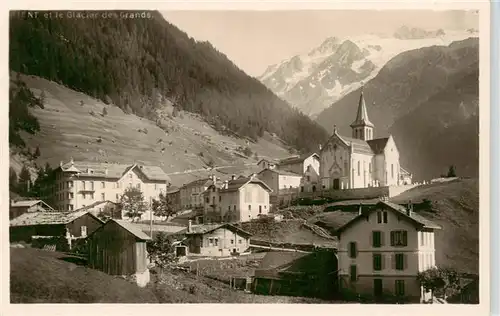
[264, 157]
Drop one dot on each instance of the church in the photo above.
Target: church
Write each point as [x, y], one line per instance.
[361, 161]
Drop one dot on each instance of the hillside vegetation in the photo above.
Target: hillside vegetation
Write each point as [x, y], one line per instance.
[72, 124]
[141, 63]
[428, 99]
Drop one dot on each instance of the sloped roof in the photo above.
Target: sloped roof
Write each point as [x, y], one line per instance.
[296, 159]
[236, 184]
[282, 172]
[198, 182]
[278, 259]
[207, 228]
[404, 171]
[378, 145]
[113, 171]
[96, 204]
[362, 114]
[131, 228]
[28, 203]
[414, 218]
[48, 218]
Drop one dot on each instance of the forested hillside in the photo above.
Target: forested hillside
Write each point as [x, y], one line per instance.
[137, 64]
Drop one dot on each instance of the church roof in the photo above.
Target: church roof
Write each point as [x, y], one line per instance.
[378, 145]
[362, 114]
[359, 146]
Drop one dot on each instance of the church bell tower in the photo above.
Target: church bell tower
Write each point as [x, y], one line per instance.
[362, 128]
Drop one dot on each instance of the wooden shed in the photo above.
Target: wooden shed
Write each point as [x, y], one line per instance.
[119, 248]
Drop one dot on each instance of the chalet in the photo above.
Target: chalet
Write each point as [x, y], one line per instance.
[298, 164]
[297, 274]
[215, 240]
[267, 164]
[57, 228]
[237, 200]
[119, 248]
[382, 250]
[280, 179]
[18, 208]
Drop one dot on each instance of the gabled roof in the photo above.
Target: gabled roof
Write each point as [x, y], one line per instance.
[207, 228]
[236, 184]
[416, 219]
[48, 218]
[296, 159]
[267, 160]
[198, 182]
[96, 204]
[29, 203]
[282, 172]
[378, 145]
[112, 171]
[131, 228]
[404, 171]
[280, 259]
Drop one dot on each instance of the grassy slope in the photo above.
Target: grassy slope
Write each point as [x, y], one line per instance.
[68, 130]
[38, 276]
[455, 208]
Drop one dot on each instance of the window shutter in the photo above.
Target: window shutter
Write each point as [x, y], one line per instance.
[405, 261]
[392, 238]
[371, 238]
[355, 250]
[393, 262]
[405, 238]
[382, 262]
[382, 239]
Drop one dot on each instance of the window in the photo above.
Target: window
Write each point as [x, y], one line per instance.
[370, 167]
[399, 238]
[308, 178]
[92, 185]
[139, 186]
[385, 217]
[377, 262]
[83, 231]
[260, 209]
[216, 241]
[103, 185]
[103, 197]
[249, 207]
[117, 197]
[377, 239]
[229, 207]
[234, 207]
[130, 176]
[210, 242]
[70, 184]
[399, 287]
[353, 252]
[400, 261]
[379, 217]
[239, 241]
[353, 273]
[83, 185]
[220, 198]
[70, 207]
[359, 168]
[207, 200]
[232, 241]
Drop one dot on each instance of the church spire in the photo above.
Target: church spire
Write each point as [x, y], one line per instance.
[362, 127]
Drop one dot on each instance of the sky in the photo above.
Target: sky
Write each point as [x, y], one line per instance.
[253, 40]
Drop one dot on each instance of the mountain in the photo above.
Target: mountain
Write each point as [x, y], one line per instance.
[315, 80]
[139, 62]
[428, 100]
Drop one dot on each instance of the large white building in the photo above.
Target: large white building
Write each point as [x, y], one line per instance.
[382, 250]
[81, 183]
[360, 161]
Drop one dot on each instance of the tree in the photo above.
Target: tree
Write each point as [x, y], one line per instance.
[132, 203]
[451, 172]
[37, 152]
[161, 251]
[13, 183]
[24, 181]
[164, 206]
[439, 281]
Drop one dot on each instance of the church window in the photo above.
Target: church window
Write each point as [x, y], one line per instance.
[359, 167]
[370, 167]
[392, 170]
[345, 168]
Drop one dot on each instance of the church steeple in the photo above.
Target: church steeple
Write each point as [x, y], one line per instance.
[362, 128]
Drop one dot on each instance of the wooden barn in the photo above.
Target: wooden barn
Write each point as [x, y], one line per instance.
[53, 228]
[119, 248]
[18, 208]
[297, 274]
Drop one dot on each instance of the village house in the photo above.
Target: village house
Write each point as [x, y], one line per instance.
[361, 161]
[18, 208]
[80, 183]
[215, 240]
[382, 250]
[310, 181]
[299, 164]
[56, 228]
[284, 184]
[236, 200]
[266, 164]
[119, 248]
[191, 193]
[174, 195]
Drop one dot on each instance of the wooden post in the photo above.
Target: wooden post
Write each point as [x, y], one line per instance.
[271, 286]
